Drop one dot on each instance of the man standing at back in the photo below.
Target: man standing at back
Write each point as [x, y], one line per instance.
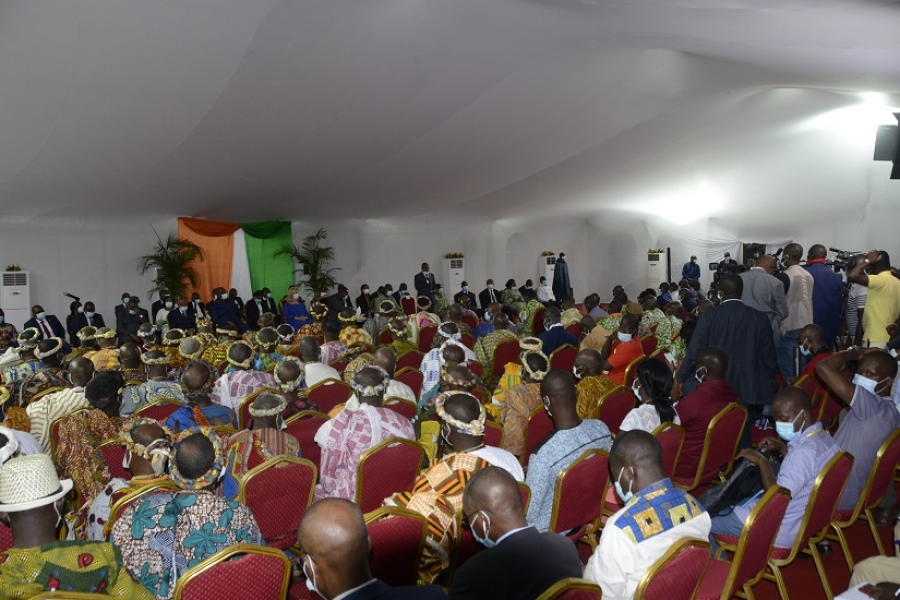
[800, 309]
[745, 336]
[691, 270]
[766, 294]
[828, 295]
[424, 282]
[883, 303]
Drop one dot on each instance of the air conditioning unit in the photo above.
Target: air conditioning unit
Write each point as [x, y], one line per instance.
[546, 268]
[454, 275]
[15, 297]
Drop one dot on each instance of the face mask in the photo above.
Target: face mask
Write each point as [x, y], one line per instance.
[223, 296]
[546, 402]
[866, 383]
[466, 289]
[169, 305]
[310, 579]
[575, 372]
[490, 286]
[41, 316]
[365, 290]
[786, 429]
[196, 301]
[58, 515]
[698, 376]
[296, 296]
[80, 309]
[281, 424]
[126, 460]
[2, 318]
[543, 282]
[126, 300]
[130, 312]
[183, 309]
[90, 314]
[624, 337]
[805, 351]
[440, 290]
[893, 351]
[425, 272]
[635, 387]
[444, 437]
[484, 540]
[625, 496]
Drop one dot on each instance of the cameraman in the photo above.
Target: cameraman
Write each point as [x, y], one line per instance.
[873, 270]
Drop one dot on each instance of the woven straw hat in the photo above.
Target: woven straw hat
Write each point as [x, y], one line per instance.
[28, 482]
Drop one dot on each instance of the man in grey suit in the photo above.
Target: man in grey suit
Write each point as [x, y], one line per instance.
[765, 293]
[744, 334]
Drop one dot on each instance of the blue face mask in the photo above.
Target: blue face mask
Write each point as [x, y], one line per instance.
[89, 313]
[126, 300]
[625, 496]
[2, 318]
[485, 540]
[624, 337]
[867, 384]
[786, 429]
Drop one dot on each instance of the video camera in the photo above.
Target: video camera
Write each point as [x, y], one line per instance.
[844, 260]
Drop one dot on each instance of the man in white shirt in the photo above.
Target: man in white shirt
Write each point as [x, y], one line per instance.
[800, 310]
[545, 292]
[314, 371]
[43, 411]
[655, 516]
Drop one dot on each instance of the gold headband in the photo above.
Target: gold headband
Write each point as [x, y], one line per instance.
[290, 386]
[108, 334]
[57, 346]
[475, 427]
[268, 412]
[367, 391]
[536, 375]
[208, 478]
[244, 364]
[162, 360]
[531, 344]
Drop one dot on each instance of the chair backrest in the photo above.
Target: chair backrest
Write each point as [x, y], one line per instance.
[388, 467]
[467, 340]
[574, 329]
[579, 492]
[537, 322]
[132, 496]
[631, 370]
[809, 385]
[677, 573]
[829, 410]
[660, 355]
[823, 500]
[6, 537]
[54, 431]
[563, 357]
[722, 437]
[476, 367]
[539, 426]
[158, 410]
[278, 492]
[329, 393]
[757, 539]
[113, 452]
[470, 320]
[304, 426]
[493, 434]
[526, 494]
[671, 438]
[243, 413]
[649, 344]
[384, 337]
[261, 573]
[614, 406]
[426, 337]
[410, 358]
[882, 473]
[405, 407]
[398, 540]
[572, 588]
[505, 352]
[339, 364]
[412, 377]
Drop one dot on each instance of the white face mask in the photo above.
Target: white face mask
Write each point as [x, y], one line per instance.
[310, 579]
[466, 289]
[698, 376]
[80, 309]
[867, 383]
[126, 460]
[169, 305]
[296, 296]
[41, 316]
[636, 389]
[223, 296]
[365, 290]
[490, 286]
[624, 337]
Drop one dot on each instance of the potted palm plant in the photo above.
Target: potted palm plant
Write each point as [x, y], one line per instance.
[171, 260]
[316, 272]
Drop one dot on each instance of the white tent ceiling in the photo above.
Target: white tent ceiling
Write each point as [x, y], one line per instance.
[325, 109]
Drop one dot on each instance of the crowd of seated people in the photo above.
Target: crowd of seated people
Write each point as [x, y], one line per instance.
[198, 398]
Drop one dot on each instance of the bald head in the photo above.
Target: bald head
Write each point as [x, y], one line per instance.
[386, 358]
[794, 252]
[715, 361]
[455, 312]
[129, 355]
[791, 400]
[195, 455]
[333, 533]
[766, 262]
[629, 323]
[559, 387]
[500, 321]
[453, 354]
[463, 407]
[147, 434]
[495, 490]
[460, 378]
[309, 349]
[589, 362]
[816, 251]
[81, 371]
[637, 448]
[731, 286]
[288, 370]
[196, 376]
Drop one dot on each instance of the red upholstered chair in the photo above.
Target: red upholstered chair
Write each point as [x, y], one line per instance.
[613, 406]
[659, 354]
[426, 338]
[563, 357]
[278, 492]
[723, 579]
[304, 426]
[823, 499]
[384, 337]
[113, 452]
[671, 438]
[676, 575]
[526, 494]
[470, 320]
[649, 343]
[243, 412]
[403, 406]
[811, 386]
[574, 329]
[631, 370]
[339, 364]
[476, 367]
[398, 539]
[537, 322]
[578, 497]
[259, 574]
[880, 477]
[572, 588]
[412, 377]
[539, 426]
[388, 467]
[493, 434]
[410, 358]
[328, 394]
[158, 410]
[6, 538]
[468, 340]
[720, 447]
[408, 304]
[505, 352]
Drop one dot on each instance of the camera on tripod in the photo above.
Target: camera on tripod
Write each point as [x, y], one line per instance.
[844, 260]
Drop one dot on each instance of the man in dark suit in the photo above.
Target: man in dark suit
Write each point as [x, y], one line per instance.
[520, 561]
[182, 317]
[402, 291]
[160, 302]
[424, 282]
[334, 556]
[270, 305]
[529, 285]
[554, 334]
[238, 301]
[48, 325]
[488, 295]
[338, 302]
[88, 318]
[223, 312]
[128, 322]
[746, 337]
[255, 308]
[126, 298]
[464, 292]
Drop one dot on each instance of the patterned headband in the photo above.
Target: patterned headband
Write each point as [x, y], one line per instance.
[449, 336]
[268, 412]
[367, 391]
[449, 379]
[191, 355]
[31, 341]
[244, 364]
[108, 334]
[290, 386]
[169, 341]
[536, 375]
[158, 452]
[423, 302]
[475, 427]
[452, 342]
[216, 470]
[144, 333]
[396, 327]
[531, 344]
[350, 319]
[386, 307]
[86, 334]
[225, 331]
[267, 344]
[161, 360]
[57, 346]
[318, 309]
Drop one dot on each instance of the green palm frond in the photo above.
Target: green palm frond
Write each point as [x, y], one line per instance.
[172, 260]
[316, 273]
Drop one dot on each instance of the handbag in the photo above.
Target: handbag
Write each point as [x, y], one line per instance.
[742, 484]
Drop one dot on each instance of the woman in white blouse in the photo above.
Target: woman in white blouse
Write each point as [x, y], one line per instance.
[652, 386]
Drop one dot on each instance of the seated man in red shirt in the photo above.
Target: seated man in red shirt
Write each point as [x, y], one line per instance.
[813, 348]
[621, 349]
[699, 407]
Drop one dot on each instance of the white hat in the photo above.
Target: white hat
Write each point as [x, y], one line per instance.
[28, 482]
